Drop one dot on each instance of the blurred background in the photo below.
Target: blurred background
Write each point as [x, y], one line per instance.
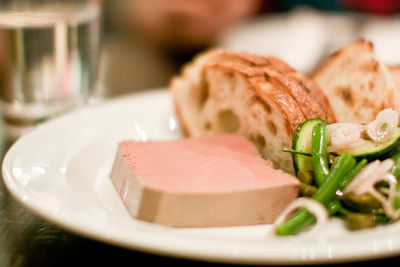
[49, 48]
[145, 42]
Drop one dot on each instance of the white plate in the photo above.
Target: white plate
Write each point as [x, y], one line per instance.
[60, 171]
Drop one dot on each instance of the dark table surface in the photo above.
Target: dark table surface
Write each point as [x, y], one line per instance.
[28, 240]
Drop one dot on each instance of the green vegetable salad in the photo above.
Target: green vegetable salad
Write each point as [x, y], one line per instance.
[346, 170]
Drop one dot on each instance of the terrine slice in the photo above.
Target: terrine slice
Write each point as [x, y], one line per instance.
[200, 182]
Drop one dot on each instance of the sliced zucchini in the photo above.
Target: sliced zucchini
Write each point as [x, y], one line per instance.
[361, 149]
[302, 143]
[372, 150]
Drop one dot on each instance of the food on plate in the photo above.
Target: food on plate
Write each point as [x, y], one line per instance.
[356, 84]
[356, 179]
[200, 182]
[334, 127]
[337, 133]
[260, 98]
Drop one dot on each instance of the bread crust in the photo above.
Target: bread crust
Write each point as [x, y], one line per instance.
[257, 61]
[286, 103]
[337, 54]
[309, 107]
[316, 93]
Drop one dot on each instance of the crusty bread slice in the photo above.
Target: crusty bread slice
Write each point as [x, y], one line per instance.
[220, 92]
[356, 84]
[294, 86]
[305, 91]
[255, 61]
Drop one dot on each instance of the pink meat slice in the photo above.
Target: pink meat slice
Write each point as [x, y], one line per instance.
[203, 182]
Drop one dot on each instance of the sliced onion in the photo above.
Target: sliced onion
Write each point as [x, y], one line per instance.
[344, 134]
[365, 182]
[377, 175]
[361, 177]
[382, 128]
[313, 206]
[387, 202]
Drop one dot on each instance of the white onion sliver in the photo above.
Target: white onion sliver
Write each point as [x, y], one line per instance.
[382, 128]
[365, 182]
[379, 174]
[387, 203]
[363, 175]
[313, 206]
[343, 134]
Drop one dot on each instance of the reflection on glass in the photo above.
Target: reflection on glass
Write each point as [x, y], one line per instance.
[48, 60]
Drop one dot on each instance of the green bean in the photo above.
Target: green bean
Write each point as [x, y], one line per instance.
[342, 212]
[300, 220]
[319, 152]
[332, 161]
[349, 177]
[396, 173]
[397, 199]
[295, 152]
[324, 195]
[334, 206]
[328, 190]
[396, 166]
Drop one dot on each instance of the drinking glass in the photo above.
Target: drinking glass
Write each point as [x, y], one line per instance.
[49, 53]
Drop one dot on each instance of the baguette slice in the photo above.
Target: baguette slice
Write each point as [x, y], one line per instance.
[293, 84]
[356, 84]
[221, 92]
